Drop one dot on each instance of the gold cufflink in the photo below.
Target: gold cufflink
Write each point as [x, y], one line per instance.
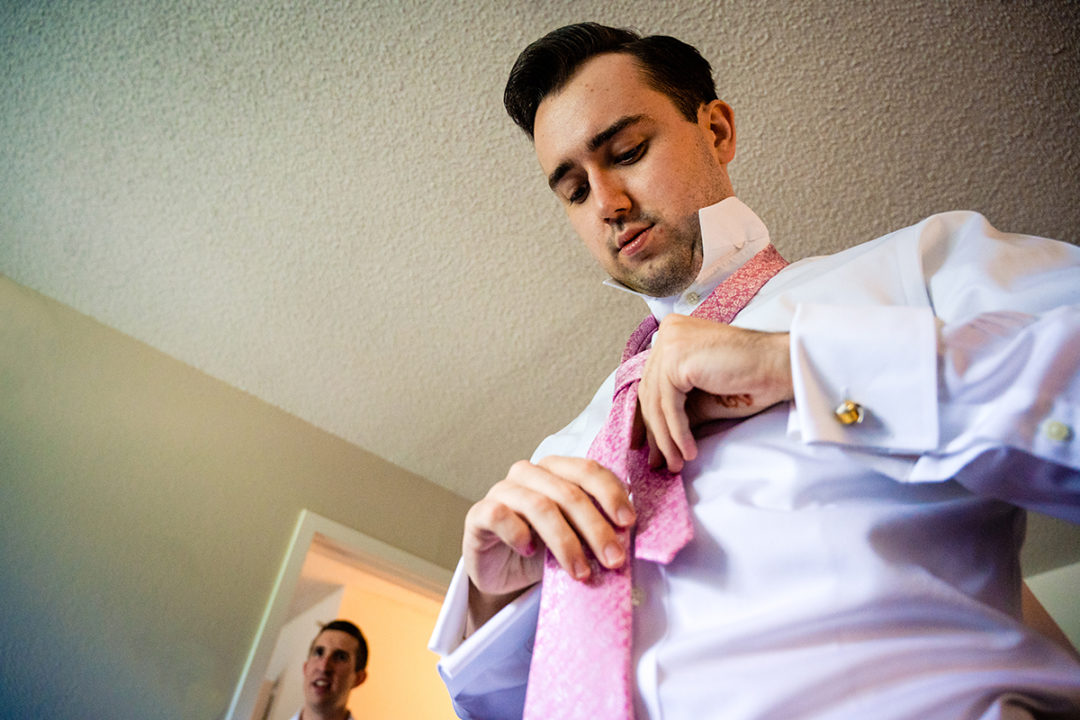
[849, 413]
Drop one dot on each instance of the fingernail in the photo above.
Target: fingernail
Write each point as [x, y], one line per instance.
[613, 553]
[581, 569]
[624, 516]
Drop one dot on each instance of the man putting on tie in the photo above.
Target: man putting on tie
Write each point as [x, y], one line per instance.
[800, 495]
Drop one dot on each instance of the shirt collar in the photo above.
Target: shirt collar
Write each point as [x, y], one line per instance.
[731, 234]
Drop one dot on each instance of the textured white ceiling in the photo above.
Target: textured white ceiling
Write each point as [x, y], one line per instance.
[322, 203]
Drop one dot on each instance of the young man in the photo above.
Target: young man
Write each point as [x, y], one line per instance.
[336, 663]
[855, 445]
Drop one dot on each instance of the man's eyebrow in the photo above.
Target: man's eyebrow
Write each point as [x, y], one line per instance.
[612, 130]
[594, 144]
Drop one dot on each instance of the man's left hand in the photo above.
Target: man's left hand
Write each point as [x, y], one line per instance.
[699, 371]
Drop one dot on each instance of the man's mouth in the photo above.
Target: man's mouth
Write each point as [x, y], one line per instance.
[321, 683]
[633, 239]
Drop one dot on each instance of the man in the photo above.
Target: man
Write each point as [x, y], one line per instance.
[336, 663]
[854, 445]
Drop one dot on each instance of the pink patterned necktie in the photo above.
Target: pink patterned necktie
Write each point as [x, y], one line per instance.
[581, 656]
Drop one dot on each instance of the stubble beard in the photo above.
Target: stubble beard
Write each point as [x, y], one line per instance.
[672, 271]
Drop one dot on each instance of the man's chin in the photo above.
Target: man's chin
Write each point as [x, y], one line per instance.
[659, 278]
[321, 698]
[659, 287]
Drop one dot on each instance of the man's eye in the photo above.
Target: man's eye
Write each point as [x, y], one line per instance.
[340, 655]
[630, 156]
[578, 195]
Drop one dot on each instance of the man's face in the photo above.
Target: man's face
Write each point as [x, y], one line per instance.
[631, 171]
[329, 671]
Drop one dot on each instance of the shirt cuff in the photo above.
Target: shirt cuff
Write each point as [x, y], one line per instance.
[881, 358]
[497, 654]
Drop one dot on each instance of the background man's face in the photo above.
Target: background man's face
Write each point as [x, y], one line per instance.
[632, 172]
[329, 671]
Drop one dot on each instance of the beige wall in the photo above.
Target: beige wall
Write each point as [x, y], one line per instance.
[145, 509]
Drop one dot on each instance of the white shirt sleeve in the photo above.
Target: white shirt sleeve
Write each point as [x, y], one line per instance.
[987, 374]
[485, 673]
[1009, 409]
[881, 357]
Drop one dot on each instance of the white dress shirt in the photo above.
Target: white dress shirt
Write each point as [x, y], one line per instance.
[853, 571]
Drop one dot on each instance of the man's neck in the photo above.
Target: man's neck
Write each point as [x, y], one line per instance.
[731, 234]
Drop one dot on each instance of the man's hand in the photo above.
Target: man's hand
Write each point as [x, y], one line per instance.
[551, 504]
[700, 370]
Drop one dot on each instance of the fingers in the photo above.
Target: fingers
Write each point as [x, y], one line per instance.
[664, 417]
[738, 372]
[641, 435]
[567, 500]
[560, 503]
[596, 480]
[677, 444]
[662, 404]
[490, 522]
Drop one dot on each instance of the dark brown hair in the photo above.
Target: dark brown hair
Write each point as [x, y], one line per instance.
[670, 66]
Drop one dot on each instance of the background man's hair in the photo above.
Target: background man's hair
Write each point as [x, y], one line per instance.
[349, 629]
[670, 66]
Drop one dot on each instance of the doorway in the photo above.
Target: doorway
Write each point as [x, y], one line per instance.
[333, 571]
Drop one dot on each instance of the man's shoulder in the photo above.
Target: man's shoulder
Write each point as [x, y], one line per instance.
[956, 228]
[939, 235]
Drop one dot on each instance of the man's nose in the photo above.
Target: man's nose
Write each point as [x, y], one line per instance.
[611, 198]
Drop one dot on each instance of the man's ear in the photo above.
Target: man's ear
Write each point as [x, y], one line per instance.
[718, 119]
[361, 676]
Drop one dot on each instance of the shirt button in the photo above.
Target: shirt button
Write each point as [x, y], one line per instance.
[637, 596]
[1057, 431]
[692, 298]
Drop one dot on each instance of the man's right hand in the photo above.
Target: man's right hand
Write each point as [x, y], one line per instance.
[553, 505]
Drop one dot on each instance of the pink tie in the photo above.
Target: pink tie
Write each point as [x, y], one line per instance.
[581, 656]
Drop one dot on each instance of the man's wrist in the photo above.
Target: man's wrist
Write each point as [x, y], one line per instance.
[483, 606]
